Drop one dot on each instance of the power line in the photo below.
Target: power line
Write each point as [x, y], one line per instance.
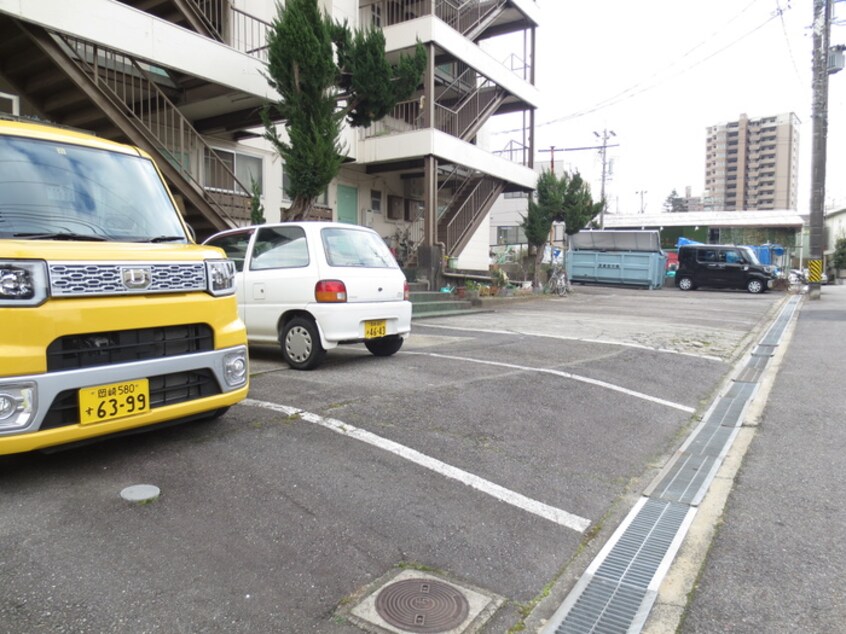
[780, 12]
[631, 92]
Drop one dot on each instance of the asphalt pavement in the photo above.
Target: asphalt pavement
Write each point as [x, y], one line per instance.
[775, 555]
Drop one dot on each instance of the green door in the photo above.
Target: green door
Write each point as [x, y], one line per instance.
[348, 204]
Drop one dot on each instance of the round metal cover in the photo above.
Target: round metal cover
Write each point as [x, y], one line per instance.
[422, 605]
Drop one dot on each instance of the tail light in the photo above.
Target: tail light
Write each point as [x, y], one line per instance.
[332, 291]
[406, 295]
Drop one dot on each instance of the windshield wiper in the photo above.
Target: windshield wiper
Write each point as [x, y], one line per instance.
[61, 235]
[164, 239]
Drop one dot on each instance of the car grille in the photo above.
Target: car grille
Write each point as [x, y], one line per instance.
[78, 279]
[166, 389]
[120, 346]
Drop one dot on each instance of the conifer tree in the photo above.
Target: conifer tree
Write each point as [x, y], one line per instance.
[326, 72]
[566, 199]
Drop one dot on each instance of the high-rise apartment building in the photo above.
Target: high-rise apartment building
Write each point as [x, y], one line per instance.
[752, 164]
[183, 79]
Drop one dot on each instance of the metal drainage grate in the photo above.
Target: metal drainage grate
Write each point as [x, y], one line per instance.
[617, 592]
[729, 408]
[764, 351]
[422, 605]
[775, 332]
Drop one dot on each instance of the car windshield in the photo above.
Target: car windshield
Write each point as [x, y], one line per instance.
[356, 247]
[57, 191]
[750, 256]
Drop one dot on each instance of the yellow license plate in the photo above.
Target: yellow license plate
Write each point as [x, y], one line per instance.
[116, 400]
[375, 328]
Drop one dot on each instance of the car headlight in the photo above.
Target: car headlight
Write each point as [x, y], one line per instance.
[17, 405]
[221, 277]
[22, 282]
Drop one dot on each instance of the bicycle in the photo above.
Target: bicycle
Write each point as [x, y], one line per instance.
[557, 283]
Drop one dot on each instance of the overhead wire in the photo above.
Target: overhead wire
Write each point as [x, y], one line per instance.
[787, 38]
[639, 88]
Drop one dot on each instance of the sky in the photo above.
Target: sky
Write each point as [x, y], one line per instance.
[658, 73]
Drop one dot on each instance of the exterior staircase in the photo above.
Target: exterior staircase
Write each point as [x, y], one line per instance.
[426, 303]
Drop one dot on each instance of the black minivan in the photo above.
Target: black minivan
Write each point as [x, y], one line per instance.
[722, 266]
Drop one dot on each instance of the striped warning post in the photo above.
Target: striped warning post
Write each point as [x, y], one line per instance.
[815, 271]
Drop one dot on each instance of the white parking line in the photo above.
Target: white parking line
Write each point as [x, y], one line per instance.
[540, 509]
[608, 342]
[566, 375]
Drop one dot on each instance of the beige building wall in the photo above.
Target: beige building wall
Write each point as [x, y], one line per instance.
[752, 164]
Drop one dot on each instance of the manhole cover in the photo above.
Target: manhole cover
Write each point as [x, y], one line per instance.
[422, 605]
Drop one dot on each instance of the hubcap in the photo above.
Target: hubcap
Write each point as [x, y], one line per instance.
[298, 344]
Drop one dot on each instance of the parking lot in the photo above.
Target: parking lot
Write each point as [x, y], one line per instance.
[496, 450]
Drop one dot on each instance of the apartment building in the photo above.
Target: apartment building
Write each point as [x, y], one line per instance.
[752, 164]
[183, 80]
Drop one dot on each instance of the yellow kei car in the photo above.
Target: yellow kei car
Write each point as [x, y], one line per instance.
[111, 318]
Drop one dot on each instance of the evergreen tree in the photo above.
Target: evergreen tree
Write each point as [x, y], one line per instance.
[675, 203]
[578, 208]
[256, 208]
[319, 87]
[566, 199]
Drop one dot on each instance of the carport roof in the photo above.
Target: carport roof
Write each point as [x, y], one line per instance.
[774, 218]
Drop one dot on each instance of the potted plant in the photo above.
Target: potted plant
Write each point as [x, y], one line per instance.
[471, 289]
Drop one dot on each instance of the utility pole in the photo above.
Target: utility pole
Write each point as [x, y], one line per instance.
[603, 153]
[641, 192]
[819, 118]
[552, 150]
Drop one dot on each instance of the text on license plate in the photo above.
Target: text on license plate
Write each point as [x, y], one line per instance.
[375, 328]
[115, 400]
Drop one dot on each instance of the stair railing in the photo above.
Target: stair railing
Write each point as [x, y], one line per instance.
[469, 114]
[236, 28]
[466, 17]
[132, 89]
[463, 219]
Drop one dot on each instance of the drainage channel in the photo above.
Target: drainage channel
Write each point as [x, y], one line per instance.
[618, 589]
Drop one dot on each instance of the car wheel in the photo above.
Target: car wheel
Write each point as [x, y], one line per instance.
[300, 343]
[755, 286]
[384, 346]
[685, 283]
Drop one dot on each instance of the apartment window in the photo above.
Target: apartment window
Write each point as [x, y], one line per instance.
[413, 210]
[376, 201]
[219, 174]
[510, 235]
[376, 15]
[395, 208]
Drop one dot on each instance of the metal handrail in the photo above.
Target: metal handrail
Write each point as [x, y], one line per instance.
[232, 26]
[132, 88]
[465, 17]
[462, 220]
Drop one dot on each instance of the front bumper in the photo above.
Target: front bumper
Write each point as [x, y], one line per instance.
[50, 385]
